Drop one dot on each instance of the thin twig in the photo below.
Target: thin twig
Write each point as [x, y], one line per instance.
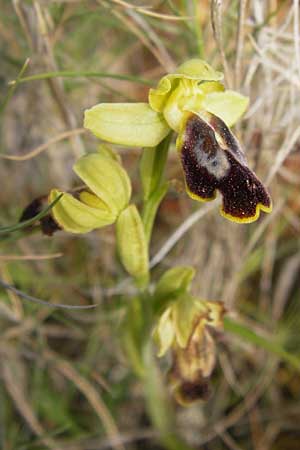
[216, 20]
[36, 151]
[147, 12]
[240, 43]
[92, 395]
[43, 302]
[181, 230]
[29, 257]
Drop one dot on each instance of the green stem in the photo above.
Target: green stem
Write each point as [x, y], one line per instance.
[13, 87]
[150, 209]
[152, 169]
[158, 403]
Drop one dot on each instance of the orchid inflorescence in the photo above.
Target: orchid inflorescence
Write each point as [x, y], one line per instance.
[194, 103]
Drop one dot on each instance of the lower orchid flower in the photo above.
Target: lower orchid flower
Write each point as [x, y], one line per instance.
[186, 326]
[194, 103]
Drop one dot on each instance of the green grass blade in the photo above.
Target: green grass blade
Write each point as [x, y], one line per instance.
[248, 335]
[13, 86]
[87, 74]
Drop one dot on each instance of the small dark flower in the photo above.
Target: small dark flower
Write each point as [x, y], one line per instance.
[48, 225]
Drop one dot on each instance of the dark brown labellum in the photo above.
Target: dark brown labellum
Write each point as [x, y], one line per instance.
[213, 160]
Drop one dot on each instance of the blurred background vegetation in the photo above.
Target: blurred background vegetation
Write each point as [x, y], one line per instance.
[65, 380]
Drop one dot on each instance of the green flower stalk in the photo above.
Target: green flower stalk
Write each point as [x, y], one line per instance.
[194, 103]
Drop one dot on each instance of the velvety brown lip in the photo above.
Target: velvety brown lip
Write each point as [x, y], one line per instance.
[243, 193]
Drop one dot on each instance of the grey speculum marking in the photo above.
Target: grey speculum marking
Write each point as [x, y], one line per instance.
[212, 157]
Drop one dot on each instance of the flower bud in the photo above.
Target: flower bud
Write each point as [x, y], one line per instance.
[132, 244]
[109, 194]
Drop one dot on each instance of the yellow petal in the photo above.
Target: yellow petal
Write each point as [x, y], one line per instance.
[216, 313]
[186, 313]
[132, 244]
[106, 178]
[173, 280]
[157, 97]
[163, 333]
[132, 124]
[194, 69]
[228, 105]
[92, 200]
[199, 70]
[109, 152]
[76, 217]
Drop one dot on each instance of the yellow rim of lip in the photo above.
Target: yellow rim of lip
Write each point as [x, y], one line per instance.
[197, 197]
[259, 207]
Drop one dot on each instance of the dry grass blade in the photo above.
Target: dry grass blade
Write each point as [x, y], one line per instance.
[181, 231]
[297, 34]
[45, 146]
[229, 441]
[147, 12]
[232, 285]
[240, 43]
[92, 395]
[250, 399]
[17, 393]
[142, 37]
[29, 257]
[145, 26]
[285, 281]
[42, 302]
[17, 307]
[287, 146]
[216, 20]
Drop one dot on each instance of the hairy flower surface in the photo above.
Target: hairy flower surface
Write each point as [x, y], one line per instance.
[213, 160]
[194, 103]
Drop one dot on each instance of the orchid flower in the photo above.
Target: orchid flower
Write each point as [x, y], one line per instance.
[104, 201]
[185, 327]
[194, 103]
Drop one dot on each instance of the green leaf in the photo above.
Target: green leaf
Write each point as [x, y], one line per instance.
[268, 344]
